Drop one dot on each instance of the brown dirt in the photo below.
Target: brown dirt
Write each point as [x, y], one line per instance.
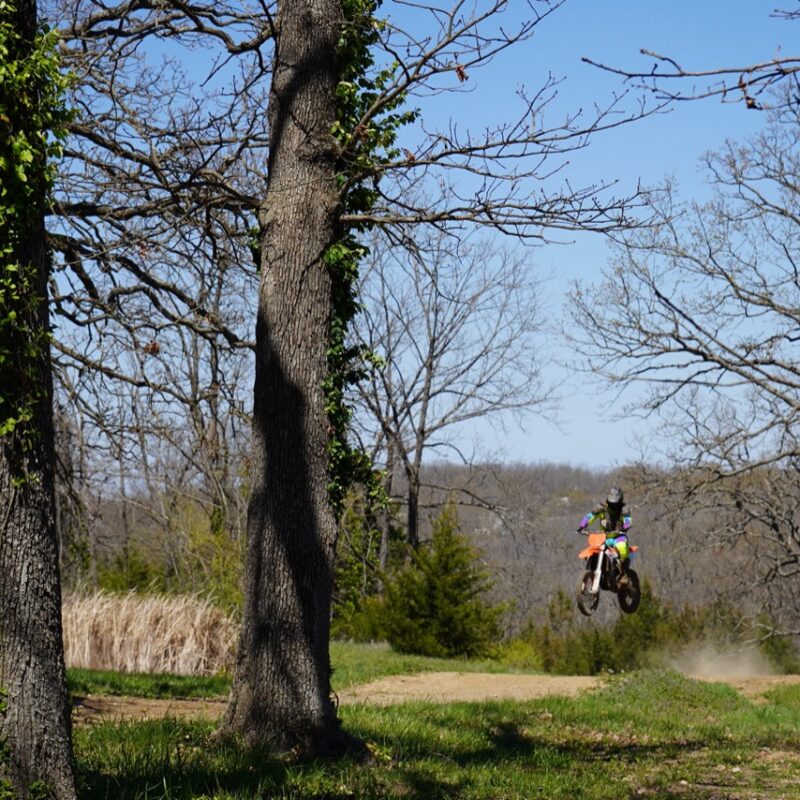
[447, 687]
[436, 687]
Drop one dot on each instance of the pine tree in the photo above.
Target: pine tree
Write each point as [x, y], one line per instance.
[436, 605]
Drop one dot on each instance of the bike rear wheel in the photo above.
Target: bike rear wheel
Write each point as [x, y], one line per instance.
[587, 600]
[630, 595]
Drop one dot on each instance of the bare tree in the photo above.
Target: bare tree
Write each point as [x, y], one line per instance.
[704, 309]
[734, 433]
[750, 84]
[454, 323]
[755, 518]
[703, 306]
[155, 277]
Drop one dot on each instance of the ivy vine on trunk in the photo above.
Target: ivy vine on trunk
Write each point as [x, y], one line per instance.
[366, 129]
[32, 120]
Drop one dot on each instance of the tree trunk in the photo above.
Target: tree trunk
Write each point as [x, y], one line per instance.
[414, 467]
[412, 517]
[36, 724]
[281, 694]
[413, 470]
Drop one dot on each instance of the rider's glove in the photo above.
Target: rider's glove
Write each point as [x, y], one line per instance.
[579, 529]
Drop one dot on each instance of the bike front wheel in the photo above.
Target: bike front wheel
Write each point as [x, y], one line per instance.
[587, 599]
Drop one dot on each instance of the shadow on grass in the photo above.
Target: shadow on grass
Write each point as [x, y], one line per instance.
[172, 760]
[517, 764]
[167, 758]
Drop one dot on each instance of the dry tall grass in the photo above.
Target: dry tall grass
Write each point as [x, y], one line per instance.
[141, 633]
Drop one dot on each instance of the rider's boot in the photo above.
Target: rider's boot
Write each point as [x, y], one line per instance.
[622, 581]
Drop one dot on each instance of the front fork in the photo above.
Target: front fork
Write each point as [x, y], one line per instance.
[598, 571]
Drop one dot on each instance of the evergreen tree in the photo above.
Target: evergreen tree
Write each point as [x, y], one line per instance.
[436, 604]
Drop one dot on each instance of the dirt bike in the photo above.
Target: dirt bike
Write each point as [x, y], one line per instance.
[604, 571]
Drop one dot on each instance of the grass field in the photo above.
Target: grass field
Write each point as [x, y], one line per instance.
[650, 734]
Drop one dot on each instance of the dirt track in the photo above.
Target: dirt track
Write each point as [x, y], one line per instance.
[437, 687]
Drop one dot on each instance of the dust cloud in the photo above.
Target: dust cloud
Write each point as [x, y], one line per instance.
[707, 659]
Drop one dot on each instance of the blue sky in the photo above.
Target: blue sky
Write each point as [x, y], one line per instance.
[700, 34]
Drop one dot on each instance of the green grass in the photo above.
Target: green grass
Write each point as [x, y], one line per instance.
[785, 696]
[352, 664]
[650, 734]
[91, 681]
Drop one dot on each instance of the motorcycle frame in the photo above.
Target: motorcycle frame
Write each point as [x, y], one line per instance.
[601, 551]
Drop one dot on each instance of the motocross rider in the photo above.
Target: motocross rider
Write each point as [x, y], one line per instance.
[615, 520]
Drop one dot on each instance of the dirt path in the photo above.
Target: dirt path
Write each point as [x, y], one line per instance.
[448, 687]
[437, 687]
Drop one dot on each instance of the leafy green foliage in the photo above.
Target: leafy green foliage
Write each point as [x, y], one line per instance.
[366, 128]
[205, 559]
[782, 653]
[131, 570]
[357, 605]
[32, 119]
[213, 560]
[436, 605]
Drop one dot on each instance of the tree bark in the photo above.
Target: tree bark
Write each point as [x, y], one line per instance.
[281, 694]
[412, 516]
[36, 723]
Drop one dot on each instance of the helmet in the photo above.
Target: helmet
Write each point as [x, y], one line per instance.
[614, 496]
